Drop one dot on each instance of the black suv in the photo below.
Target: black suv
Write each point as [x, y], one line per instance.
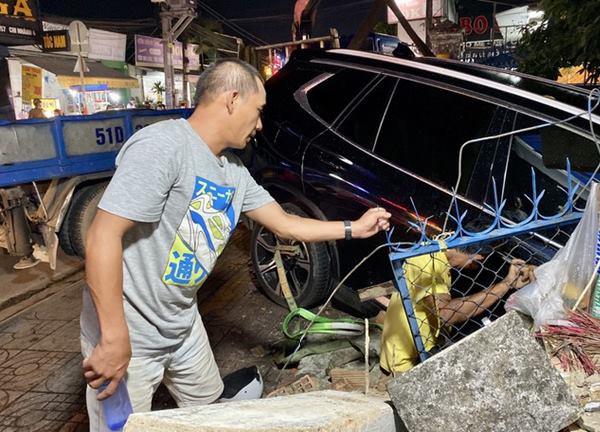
[347, 130]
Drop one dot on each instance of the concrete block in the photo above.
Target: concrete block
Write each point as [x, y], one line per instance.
[323, 411]
[497, 379]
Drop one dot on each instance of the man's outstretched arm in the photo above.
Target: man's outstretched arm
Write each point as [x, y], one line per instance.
[104, 273]
[453, 311]
[293, 227]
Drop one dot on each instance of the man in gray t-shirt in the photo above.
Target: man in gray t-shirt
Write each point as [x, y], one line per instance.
[164, 219]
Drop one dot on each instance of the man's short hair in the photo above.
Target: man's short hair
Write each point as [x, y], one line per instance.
[226, 75]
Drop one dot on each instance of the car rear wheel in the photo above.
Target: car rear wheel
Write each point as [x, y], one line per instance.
[307, 270]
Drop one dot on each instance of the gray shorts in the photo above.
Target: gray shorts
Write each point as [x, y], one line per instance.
[190, 373]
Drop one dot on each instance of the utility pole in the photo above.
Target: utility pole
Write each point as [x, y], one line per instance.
[185, 72]
[421, 46]
[367, 25]
[428, 21]
[184, 11]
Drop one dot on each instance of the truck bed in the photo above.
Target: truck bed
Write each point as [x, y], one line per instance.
[40, 149]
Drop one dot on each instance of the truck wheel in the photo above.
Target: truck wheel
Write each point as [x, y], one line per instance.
[79, 218]
[307, 272]
[64, 240]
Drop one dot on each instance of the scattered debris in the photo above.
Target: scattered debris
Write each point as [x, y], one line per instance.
[576, 343]
[587, 392]
[592, 407]
[259, 351]
[347, 379]
[374, 291]
[303, 385]
[319, 365]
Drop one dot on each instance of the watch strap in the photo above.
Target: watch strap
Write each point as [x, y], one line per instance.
[347, 230]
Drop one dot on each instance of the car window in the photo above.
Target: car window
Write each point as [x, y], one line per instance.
[425, 126]
[557, 143]
[547, 149]
[329, 98]
[362, 124]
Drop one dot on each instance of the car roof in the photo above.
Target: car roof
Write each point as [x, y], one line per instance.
[565, 97]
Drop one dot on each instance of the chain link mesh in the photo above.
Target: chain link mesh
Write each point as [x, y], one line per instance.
[456, 291]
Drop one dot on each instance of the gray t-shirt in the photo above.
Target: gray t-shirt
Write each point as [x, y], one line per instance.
[188, 202]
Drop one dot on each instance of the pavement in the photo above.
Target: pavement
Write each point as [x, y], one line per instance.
[41, 382]
[20, 289]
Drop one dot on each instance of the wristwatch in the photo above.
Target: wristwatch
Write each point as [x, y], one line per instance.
[347, 230]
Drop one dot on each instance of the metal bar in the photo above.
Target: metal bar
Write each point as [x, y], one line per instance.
[496, 234]
[367, 25]
[400, 284]
[295, 43]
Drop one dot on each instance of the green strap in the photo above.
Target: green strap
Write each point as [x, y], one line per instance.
[322, 325]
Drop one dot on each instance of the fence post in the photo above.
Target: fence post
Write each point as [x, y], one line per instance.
[335, 38]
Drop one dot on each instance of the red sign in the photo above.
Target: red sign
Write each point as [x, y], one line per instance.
[478, 25]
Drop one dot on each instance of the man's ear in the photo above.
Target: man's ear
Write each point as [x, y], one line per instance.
[232, 100]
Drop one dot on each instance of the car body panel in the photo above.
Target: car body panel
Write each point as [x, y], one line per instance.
[345, 131]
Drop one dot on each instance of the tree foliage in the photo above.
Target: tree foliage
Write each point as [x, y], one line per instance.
[568, 36]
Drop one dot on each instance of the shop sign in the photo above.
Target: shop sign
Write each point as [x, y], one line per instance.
[49, 105]
[415, 10]
[149, 53]
[68, 81]
[477, 20]
[105, 45]
[57, 40]
[31, 83]
[19, 22]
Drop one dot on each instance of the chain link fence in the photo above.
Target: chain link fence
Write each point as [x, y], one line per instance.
[455, 291]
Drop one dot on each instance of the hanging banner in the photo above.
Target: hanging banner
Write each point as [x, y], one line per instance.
[105, 45]
[31, 83]
[193, 57]
[415, 10]
[149, 53]
[19, 22]
[57, 40]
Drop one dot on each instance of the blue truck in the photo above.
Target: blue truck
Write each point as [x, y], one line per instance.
[52, 175]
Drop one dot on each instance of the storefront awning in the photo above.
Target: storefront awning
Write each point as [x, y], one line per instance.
[98, 74]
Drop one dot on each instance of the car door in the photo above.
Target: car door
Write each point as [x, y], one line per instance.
[396, 146]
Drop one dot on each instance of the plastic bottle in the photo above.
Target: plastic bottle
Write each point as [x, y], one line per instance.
[117, 407]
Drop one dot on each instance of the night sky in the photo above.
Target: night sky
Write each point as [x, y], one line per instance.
[268, 20]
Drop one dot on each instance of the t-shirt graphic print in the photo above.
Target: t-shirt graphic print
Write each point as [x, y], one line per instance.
[201, 236]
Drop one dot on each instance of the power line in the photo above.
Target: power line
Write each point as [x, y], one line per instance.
[252, 38]
[234, 26]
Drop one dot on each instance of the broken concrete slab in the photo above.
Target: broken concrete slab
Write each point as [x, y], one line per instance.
[497, 379]
[323, 411]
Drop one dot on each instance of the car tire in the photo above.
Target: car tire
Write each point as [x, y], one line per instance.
[308, 275]
[79, 218]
